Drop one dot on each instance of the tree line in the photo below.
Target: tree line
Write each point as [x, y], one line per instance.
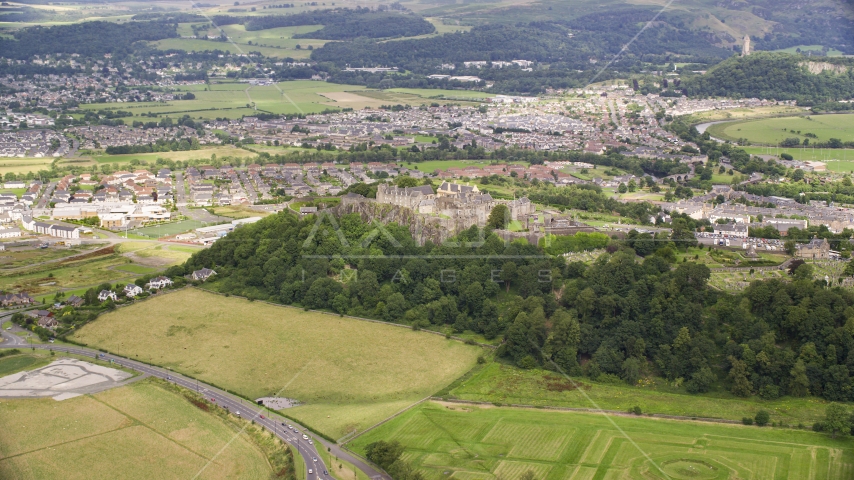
[624, 318]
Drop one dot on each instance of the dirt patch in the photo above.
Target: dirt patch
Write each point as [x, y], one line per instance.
[560, 384]
[64, 378]
[97, 253]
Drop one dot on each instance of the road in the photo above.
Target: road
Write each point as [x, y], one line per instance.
[45, 198]
[199, 214]
[247, 410]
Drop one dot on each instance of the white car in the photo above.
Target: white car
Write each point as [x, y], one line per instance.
[310, 471]
[315, 459]
[237, 413]
[305, 437]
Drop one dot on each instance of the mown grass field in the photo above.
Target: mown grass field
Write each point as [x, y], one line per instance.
[139, 431]
[350, 374]
[744, 113]
[201, 154]
[772, 131]
[444, 94]
[18, 363]
[431, 166]
[508, 385]
[838, 160]
[467, 442]
[237, 211]
[167, 229]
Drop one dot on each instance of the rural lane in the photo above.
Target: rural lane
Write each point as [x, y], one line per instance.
[248, 410]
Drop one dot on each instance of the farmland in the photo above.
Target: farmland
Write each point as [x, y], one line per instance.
[235, 100]
[348, 373]
[470, 442]
[273, 42]
[772, 131]
[508, 385]
[117, 433]
[24, 165]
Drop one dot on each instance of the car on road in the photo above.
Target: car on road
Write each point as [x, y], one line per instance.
[325, 472]
[305, 437]
[262, 417]
[310, 442]
[310, 471]
[237, 413]
[315, 459]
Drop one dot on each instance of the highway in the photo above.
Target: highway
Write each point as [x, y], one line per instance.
[247, 410]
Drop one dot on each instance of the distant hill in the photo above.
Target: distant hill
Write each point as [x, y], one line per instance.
[778, 76]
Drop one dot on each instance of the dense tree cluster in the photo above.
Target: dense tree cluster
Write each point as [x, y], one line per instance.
[620, 317]
[776, 76]
[89, 39]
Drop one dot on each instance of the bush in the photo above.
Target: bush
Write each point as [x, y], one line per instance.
[636, 410]
[481, 359]
[818, 427]
[762, 418]
[747, 421]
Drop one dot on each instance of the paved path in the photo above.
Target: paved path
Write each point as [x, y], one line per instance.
[248, 410]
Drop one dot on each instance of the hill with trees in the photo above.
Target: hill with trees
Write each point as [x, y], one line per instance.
[778, 76]
[623, 317]
[88, 39]
[346, 24]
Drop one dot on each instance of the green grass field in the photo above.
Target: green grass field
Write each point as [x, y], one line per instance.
[236, 211]
[24, 165]
[431, 166]
[468, 442]
[444, 94]
[835, 157]
[50, 278]
[772, 131]
[508, 385]
[832, 52]
[168, 229]
[139, 431]
[201, 154]
[349, 373]
[273, 42]
[18, 363]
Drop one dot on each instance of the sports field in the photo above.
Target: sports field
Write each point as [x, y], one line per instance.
[772, 131]
[349, 373]
[431, 166]
[142, 431]
[508, 385]
[485, 443]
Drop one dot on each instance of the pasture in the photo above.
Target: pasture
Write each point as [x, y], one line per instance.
[509, 385]
[273, 42]
[66, 275]
[24, 165]
[348, 373]
[485, 443]
[237, 211]
[119, 433]
[772, 131]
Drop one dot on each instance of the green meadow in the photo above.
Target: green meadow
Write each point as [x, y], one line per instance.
[487, 443]
[772, 131]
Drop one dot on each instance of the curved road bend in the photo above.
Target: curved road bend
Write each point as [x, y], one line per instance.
[248, 410]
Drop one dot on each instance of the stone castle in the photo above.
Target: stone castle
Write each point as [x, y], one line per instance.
[462, 205]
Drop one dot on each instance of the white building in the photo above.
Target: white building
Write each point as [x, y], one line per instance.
[105, 295]
[130, 290]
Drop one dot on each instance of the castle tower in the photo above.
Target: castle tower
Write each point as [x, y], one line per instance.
[745, 49]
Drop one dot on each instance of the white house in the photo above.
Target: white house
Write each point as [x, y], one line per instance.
[130, 290]
[159, 282]
[203, 274]
[104, 295]
[10, 232]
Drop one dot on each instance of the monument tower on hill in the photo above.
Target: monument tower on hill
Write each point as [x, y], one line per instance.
[745, 49]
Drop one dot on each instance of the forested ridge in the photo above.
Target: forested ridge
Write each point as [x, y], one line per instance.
[617, 317]
[778, 76]
[91, 39]
[339, 24]
[569, 44]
